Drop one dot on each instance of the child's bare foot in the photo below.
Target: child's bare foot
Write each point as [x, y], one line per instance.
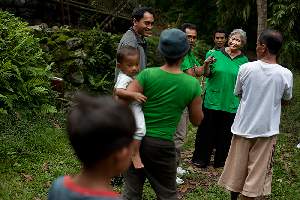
[137, 162]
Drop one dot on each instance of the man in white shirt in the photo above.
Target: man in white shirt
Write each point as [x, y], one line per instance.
[262, 85]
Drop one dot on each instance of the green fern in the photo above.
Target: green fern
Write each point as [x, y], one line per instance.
[38, 91]
[46, 109]
[24, 73]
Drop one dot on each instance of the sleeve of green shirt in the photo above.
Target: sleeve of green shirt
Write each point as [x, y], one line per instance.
[198, 90]
[141, 77]
[189, 61]
[185, 65]
[209, 53]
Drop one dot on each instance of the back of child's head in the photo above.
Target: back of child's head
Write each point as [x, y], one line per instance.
[98, 127]
[126, 51]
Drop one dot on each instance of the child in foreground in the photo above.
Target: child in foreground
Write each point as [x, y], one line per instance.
[100, 131]
[128, 63]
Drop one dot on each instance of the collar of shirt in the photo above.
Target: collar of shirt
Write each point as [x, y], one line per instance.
[140, 39]
[226, 54]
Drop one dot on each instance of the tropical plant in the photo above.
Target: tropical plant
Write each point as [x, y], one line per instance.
[24, 74]
[285, 15]
[100, 62]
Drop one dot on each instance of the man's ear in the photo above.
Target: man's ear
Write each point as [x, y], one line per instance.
[118, 65]
[134, 21]
[264, 47]
[121, 156]
[125, 151]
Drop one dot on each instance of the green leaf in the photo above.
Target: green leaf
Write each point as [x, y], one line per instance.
[39, 91]
[46, 108]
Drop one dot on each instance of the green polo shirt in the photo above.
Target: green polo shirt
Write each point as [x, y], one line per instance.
[189, 61]
[220, 84]
[167, 96]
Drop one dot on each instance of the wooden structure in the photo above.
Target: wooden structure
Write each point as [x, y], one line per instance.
[69, 12]
[112, 9]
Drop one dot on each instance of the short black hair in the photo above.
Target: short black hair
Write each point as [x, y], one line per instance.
[124, 51]
[138, 13]
[171, 61]
[189, 26]
[220, 30]
[272, 39]
[97, 127]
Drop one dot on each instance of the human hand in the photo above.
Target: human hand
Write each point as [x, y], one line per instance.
[210, 60]
[139, 97]
[199, 71]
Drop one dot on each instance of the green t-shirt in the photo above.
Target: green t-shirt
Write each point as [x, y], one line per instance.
[220, 84]
[210, 52]
[189, 61]
[167, 96]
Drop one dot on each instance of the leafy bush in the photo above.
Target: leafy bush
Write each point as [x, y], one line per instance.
[101, 58]
[285, 17]
[200, 50]
[24, 74]
[154, 59]
[85, 59]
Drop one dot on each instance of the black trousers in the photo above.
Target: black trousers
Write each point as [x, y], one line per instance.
[159, 159]
[214, 132]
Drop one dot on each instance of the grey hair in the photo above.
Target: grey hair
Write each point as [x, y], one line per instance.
[241, 33]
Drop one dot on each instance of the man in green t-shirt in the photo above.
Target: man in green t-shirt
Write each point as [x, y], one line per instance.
[168, 91]
[190, 66]
[220, 39]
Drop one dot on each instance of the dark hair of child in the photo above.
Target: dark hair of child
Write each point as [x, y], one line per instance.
[125, 51]
[97, 127]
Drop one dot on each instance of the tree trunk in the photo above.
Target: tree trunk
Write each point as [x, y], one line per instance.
[62, 12]
[262, 6]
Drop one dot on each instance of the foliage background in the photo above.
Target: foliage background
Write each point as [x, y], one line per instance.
[35, 149]
[283, 15]
[24, 73]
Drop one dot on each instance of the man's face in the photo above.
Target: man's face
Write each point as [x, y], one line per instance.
[144, 25]
[220, 39]
[191, 36]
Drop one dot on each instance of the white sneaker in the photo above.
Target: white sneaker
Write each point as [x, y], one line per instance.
[179, 181]
[181, 171]
[298, 146]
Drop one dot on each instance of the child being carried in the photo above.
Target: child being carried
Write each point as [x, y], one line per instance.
[128, 63]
